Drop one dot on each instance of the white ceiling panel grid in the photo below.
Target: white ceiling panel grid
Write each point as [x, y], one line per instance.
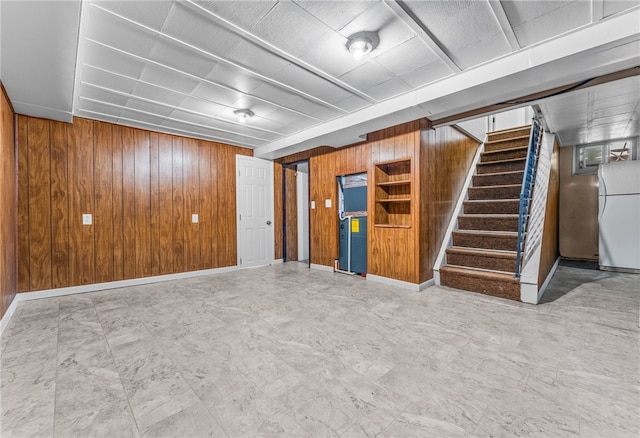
[185, 66]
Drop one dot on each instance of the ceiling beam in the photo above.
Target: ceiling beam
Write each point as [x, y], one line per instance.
[276, 51]
[409, 18]
[505, 25]
[534, 98]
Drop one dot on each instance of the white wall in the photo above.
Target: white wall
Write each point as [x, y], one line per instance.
[302, 183]
[510, 119]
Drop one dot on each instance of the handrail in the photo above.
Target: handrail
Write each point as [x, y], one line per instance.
[528, 182]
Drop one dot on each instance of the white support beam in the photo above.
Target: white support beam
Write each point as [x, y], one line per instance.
[505, 25]
[404, 13]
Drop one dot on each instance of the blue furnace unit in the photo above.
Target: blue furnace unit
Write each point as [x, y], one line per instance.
[353, 244]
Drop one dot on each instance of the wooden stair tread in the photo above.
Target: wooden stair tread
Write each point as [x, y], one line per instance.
[506, 277]
[481, 252]
[510, 160]
[502, 186]
[489, 175]
[502, 151]
[493, 200]
[488, 233]
[505, 130]
[490, 215]
[504, 140]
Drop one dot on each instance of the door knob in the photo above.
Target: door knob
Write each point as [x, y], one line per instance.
[268, 222]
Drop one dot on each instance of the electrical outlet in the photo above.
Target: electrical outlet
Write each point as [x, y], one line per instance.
[313, 205]
[87, 219]
[194, 218]
[327, 203]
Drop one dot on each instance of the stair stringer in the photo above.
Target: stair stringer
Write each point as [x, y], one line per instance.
[530, 291]
[447, 241]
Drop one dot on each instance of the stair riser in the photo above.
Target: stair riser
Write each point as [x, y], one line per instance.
[496, 180]
[511, 207]
[509, 166]
[482, 262]
[504, 243]
[504, 155]
[509, 134]
[504, 192]
[488, 223]
[486, 286]
[506, 144]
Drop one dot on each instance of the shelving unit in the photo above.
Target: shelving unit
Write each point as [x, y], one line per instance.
[393, 194]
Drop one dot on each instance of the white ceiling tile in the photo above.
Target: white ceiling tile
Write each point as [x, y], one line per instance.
[182, 58]
[158, 94]
[216, 94]
[547, 19]
[256, 58]
[95, 116]
[202, 106]
[97, 107]
[365, 76]
[289, 100]
[115, 32]
[519, 12]
[291, 29]
[388, 89]
[90, 92]
[167, 78]
[149, 13]
[107, 59]
[426, 74]
[312, 84]
[408, 56]
[198, 29]
[234, 78]
[242, 13]
[335, 14]
[482, 51]
[614, 6]
[160, 110]
[352, 103]
[106, 79]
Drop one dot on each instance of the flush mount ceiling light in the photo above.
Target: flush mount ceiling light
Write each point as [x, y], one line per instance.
[243, 114]
[362, 43]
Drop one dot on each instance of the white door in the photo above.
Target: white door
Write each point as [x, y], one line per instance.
[254, 202]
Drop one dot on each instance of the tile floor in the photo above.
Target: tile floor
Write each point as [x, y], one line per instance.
[286, 351]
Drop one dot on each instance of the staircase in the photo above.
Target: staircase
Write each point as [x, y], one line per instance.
[483, 256]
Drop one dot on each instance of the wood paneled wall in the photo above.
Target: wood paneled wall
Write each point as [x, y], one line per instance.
[278, 234]
[446, 155]
[291, 214]
[440, 160]
[550, 251]
[141, 188]
[8, 204]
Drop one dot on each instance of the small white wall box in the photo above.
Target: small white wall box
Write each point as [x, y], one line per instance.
[87, 219]
[327, 203]
[194, 218]
[313, 205]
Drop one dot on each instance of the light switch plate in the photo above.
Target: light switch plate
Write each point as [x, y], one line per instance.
[194, 218]
[87, 219]
[313, 205]
[327, 203]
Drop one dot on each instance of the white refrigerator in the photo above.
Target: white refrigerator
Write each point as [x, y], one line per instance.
[619, 216]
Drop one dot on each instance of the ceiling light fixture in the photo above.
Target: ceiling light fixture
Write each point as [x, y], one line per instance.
[243, 114]
[362, 43]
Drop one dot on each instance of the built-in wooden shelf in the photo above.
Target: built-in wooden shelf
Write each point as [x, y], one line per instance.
[393, 194]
